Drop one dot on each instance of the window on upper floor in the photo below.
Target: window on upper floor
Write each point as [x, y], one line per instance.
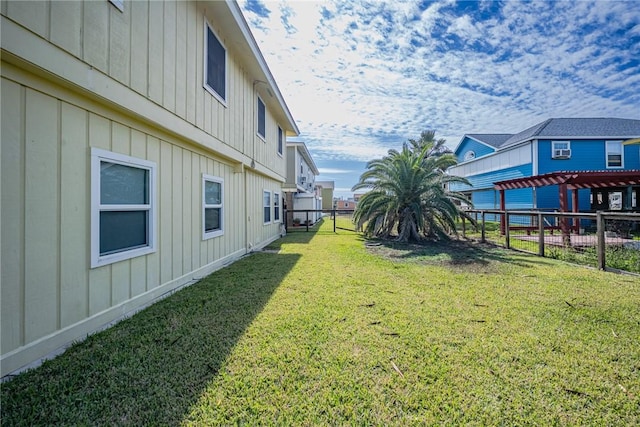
[469, 155]
[614, 153]
[215, 65]
[262, 119]
[119, 4]
[212, 206]
[123, 207]
[280, 140]
[266, 203]
[560, 149]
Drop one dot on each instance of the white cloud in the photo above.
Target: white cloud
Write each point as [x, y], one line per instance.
[334, 171]
[361, 78]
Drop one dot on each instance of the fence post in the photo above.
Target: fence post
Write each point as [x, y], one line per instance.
[333, 212]
[307, 221]
[482, 236]
[600, 245]
[464, 233]
[286, 220]
[506, 229]
[540, 235]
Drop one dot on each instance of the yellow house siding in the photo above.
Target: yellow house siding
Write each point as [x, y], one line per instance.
[95, 34]
[169, 56]
[12, 226]
[156, 48]
[83, 75]
[47, 284]
[74, 187]
[140, 46]
[33, 15]
[66, 36]
[119, 45]
[42, 222]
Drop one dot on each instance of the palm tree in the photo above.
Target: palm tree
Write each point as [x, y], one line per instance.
[408, 193]
[428, 137]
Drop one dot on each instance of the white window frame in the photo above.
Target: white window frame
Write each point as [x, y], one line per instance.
[220, 97]
[607, 152]
[276, 208]
[119, 4]
[266, 221]
[264, 106]
[211, 234]
[554, 148]
[97, 156]
[280, 141]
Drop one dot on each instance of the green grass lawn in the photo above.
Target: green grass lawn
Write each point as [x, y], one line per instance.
[327, 329]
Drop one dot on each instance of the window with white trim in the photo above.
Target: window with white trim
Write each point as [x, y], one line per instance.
[123, 207]
[614, 154]
[266, 203]
[119, 4]
[276, 207]
[215, 65]
[560, 149]
[280, 140]
[212, 206]
[262, 119]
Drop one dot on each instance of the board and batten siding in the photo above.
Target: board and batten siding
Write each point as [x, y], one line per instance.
[80, 75]
[49, 293]
[156, 49]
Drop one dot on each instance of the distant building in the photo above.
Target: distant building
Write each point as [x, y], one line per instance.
[598, 159]
[300, 186]
[345, 204]
[326, 188]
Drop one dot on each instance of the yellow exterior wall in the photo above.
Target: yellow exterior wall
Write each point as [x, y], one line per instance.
[156, 49]
[132, 85]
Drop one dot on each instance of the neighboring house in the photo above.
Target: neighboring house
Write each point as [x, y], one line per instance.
[325, 189]
[345, 204]
[524, 168]
[142, 149]
[300, 187]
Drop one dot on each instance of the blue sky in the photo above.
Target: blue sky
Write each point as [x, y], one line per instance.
[362, 77]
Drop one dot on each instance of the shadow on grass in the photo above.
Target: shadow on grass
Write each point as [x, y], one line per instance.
[151, 368]
[300, 235]
[454, 253]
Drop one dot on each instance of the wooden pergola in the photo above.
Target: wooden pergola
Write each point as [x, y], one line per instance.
[570, 180]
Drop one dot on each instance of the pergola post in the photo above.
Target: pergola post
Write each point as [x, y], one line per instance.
[502, 208]
[574, 209]
[564, 208]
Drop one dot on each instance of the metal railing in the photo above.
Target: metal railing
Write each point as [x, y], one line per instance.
[342, 218]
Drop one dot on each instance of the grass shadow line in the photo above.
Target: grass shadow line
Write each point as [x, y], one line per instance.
[154, 365]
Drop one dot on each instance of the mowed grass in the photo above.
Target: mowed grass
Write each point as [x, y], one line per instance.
[328, 329]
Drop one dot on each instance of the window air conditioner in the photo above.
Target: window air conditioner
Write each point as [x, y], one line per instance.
[561, 154]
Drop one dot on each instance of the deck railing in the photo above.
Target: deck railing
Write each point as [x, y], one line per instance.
[605, 240]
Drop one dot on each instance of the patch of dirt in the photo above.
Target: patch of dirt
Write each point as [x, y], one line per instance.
[460, 255]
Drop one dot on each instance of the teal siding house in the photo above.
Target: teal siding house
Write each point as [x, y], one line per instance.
[598, 150]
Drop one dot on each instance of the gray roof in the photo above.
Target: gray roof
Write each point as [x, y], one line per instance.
[583, 128]
[495, 140]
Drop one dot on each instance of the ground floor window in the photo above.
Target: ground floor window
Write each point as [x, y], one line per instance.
[266, 206]
[123, 207]
[276, 207]
[212, 206]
